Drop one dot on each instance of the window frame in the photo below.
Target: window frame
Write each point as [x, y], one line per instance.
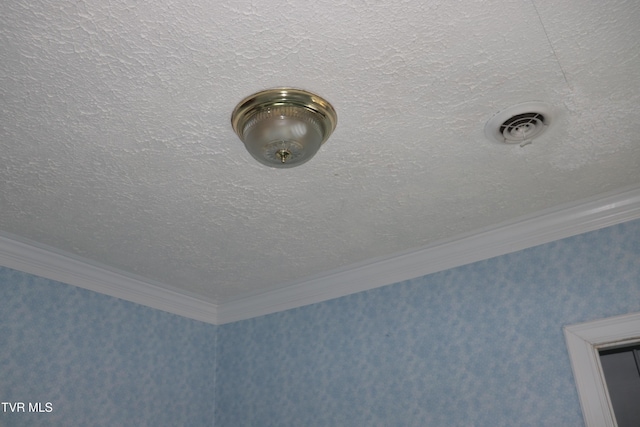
[584, 341]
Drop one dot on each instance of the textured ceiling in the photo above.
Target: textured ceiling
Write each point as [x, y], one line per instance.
[116, 144]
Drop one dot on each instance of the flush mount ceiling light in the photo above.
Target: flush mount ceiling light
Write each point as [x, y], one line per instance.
[521, 123]
[283, 127]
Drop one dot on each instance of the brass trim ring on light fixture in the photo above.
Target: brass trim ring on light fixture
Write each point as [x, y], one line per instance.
[257, 102]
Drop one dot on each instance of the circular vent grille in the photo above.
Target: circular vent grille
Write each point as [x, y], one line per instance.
[522, 127]
[520, 124]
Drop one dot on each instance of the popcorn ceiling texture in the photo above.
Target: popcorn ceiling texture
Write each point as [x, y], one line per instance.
[116, 143]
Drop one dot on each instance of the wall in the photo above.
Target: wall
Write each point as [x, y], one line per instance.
[479, 345]
[100, 361]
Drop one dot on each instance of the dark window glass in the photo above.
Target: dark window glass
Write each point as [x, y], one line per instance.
[621, 367]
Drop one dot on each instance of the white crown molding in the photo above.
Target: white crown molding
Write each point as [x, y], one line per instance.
[583, 342]
[530, 231]
[543, 227]
[55, 265]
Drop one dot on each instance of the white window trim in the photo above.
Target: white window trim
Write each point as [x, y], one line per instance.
[583, 342]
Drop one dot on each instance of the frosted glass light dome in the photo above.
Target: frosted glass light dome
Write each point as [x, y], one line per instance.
[284, 127]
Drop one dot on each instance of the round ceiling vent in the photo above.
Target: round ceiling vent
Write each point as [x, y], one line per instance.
[520, 124]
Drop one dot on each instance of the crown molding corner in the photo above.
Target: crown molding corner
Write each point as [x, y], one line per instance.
[542, 227]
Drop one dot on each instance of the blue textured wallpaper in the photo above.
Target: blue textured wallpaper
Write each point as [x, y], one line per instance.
[99, 361]
[479, 345]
